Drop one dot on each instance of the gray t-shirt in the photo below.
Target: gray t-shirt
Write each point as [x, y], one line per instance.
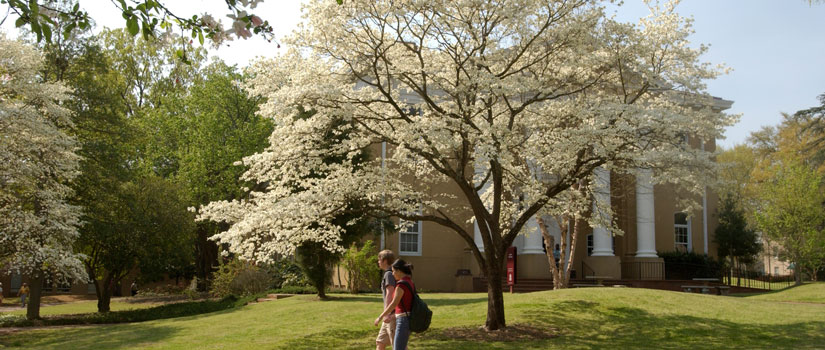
[388, 280]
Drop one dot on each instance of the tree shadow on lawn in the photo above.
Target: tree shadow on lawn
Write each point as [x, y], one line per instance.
[88, 337]
[365, 339]
[429, 301]
[627, 327]
[106, 336]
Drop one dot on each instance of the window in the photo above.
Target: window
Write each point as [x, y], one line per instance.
[682, 232]
[589, 245]
[409, 238]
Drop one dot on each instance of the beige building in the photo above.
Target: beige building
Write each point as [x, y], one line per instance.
[647, 215]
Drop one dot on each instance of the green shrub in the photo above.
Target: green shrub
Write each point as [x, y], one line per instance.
[285, 272]
[688, 265]
[295, 290]
[362, 267]
[239, 278]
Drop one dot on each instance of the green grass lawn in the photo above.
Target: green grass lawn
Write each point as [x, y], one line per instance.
[83, 307]
[587, 318]
[50, 307]
[807, 293]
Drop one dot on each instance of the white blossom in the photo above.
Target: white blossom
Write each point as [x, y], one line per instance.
[533, 95]
[37, 160]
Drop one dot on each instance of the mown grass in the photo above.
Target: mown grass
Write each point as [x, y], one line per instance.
[84, 307]
[813, 292]
[591, 318]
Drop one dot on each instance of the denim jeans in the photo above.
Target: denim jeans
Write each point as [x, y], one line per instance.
[402, 333]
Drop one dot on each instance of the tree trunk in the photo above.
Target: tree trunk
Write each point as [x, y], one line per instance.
[495, 296]
[33, 299]
[550, 251]
[207, 255]
[104, 293]
[574, 235]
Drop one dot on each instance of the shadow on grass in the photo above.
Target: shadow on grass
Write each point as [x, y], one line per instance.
[334, 339]
[355, 298]
[628, 327]
[96, 337]
[430, 302]
[453, 302]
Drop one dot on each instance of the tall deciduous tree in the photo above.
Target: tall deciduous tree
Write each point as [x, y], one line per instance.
[117, 187]
[791, 214]
[216, 124]
[37, 161]
[510, 102]
[813, 121]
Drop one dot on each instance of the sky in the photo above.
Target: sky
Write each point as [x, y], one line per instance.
[775, 47]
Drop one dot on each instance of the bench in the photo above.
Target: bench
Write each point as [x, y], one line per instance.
[719, 290]
[703, 289]
[598, 279]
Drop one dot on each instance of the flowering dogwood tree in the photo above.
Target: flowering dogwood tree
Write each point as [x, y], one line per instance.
[37, 159]
[511, 102]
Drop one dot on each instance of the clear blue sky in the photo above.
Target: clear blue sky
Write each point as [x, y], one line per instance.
[775, 47]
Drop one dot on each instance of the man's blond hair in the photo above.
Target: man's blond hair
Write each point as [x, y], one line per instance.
[386, 255]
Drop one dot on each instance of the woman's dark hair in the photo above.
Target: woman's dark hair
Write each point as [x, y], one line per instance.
[402, 265]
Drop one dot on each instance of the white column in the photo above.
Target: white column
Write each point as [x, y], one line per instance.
[705, 215]
[532, 238]
[602, 239]
[383, 183]
[645, 219]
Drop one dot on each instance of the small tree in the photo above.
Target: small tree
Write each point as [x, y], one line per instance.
[736, 242]
[361, 266]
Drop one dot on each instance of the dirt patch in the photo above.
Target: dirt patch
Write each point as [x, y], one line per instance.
[515, 332]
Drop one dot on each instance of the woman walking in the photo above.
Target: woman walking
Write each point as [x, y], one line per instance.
[401, 303]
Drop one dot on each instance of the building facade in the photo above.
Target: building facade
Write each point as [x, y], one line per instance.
[647, 215]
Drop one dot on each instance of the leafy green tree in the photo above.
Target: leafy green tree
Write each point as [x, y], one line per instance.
[152, 237]
[117, 82]
[197, 144]
[791, 214]
[737, 243]
[813, 120]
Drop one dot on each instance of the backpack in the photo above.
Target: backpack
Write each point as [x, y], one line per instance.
[420, 314]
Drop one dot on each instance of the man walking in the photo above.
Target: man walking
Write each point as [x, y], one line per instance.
[387, 331]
